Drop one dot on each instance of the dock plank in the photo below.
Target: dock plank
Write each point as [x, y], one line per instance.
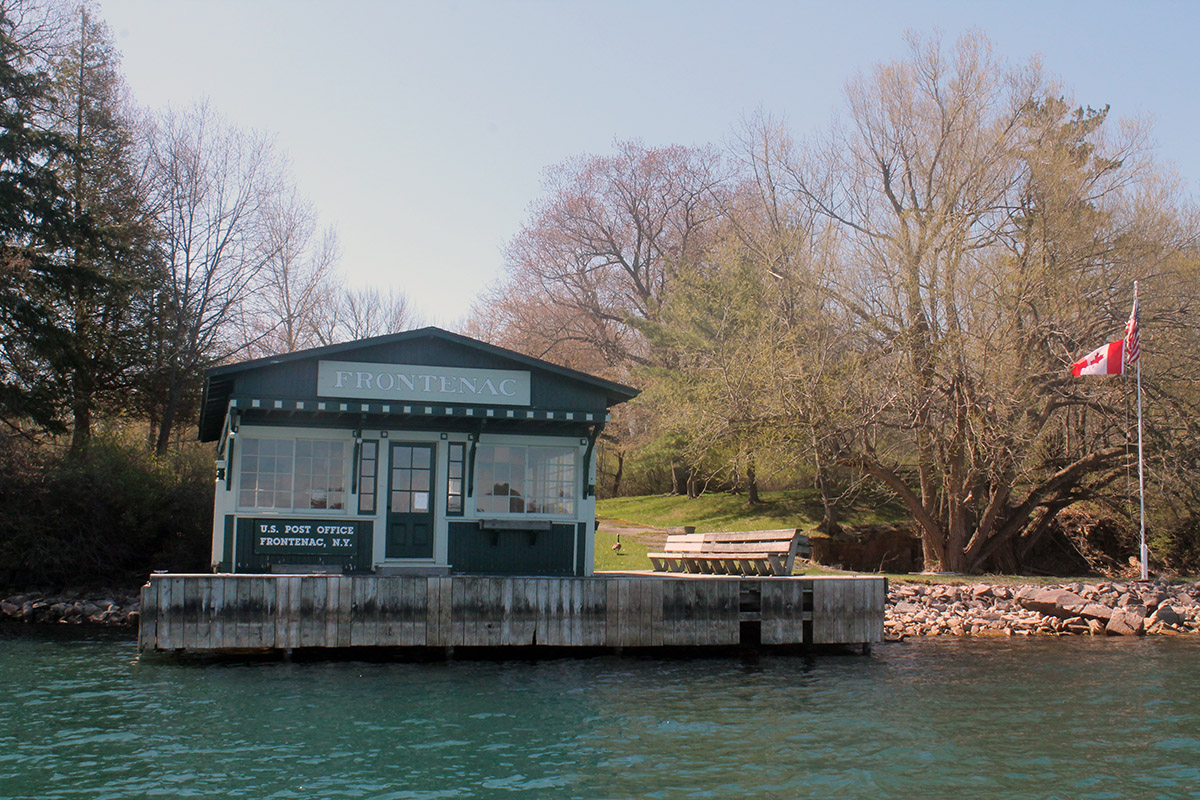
[559, 599]
[494, 622]
[525, 612]
[592, 620]
[432, 619]
[437, 601]
[263, 611]
[345, 620]
[312, 626]
[148, 619]
[395, 599]
[398, 598]
[413, 594]
[265, 614]
[625, 621]
[207, 612]
[168, 615]
[612, 611]
[466, 605]
[581, 611]
[507, 632]
[281, 608]
[390, 601]
[192, 605]
[642, 615]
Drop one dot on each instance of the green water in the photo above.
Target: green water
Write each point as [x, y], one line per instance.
[81, 717]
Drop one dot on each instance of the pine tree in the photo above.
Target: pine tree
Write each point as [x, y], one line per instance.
[34, 226]
[103, 313]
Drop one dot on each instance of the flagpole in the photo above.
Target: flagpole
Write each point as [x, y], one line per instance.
[1145, 555]
[1141, 478]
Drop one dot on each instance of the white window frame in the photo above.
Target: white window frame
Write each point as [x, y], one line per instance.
[526, 443]
[350, 499]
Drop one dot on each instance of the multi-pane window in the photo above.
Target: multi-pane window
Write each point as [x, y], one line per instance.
[368, 461]
[292, 474]
[456, 461]
[514, 479]
[550, 479]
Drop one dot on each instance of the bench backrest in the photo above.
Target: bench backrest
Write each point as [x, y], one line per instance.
[785, 540]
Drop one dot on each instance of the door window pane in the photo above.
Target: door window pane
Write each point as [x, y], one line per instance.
[411, 479]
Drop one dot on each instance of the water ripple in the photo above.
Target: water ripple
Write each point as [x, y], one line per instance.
[1078, 718]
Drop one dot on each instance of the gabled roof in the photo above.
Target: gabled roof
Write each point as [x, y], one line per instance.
[220, 382]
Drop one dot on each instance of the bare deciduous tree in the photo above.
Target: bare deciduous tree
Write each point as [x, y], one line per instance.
[294, 299]
[600, 251]
[363, 313]
[215, 186]
[977, 212]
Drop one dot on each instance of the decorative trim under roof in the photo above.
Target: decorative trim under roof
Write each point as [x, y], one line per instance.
[221, 384]
[412, 410]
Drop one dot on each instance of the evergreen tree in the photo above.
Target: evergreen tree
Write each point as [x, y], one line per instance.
[34, 226]
[103, 312]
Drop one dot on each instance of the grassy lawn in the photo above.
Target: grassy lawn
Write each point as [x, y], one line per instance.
[631, 556]
[790, 509]
[634, 547]
[720, 511]
[712, 512]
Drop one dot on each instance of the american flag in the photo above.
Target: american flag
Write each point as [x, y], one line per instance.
[1132, 345]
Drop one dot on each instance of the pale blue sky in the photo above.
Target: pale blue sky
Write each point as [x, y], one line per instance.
[420, 129]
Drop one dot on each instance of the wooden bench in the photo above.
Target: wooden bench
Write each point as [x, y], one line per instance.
[732, 552]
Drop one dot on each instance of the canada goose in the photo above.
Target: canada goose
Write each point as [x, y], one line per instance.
[617, 547]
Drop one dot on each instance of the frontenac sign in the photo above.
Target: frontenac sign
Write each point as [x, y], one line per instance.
[407, 382]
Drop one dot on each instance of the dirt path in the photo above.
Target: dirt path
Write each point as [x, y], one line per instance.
[642, 534]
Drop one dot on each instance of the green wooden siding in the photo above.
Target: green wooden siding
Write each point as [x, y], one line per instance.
[512, 552]
[580, 547]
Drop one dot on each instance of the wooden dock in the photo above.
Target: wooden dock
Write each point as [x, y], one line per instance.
[206, 613]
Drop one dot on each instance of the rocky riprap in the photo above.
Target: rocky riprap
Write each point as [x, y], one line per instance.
[1111, 608]
[90, 608]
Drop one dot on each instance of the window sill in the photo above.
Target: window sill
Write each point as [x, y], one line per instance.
[515, 524]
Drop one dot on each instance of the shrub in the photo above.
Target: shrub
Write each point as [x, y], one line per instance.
[108, 516]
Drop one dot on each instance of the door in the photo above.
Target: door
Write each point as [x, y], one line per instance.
[410, 502]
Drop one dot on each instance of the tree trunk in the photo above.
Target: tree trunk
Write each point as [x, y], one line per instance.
[167, 418]
[81, 433]
[616, 488]
[678, 480]
[829, 519]
[752, 482]
[932, 562]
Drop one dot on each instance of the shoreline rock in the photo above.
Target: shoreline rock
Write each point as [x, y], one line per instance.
[1094, 609]
[912, 609]
[71, 607]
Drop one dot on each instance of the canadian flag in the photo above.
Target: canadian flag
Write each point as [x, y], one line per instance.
[1106, 360]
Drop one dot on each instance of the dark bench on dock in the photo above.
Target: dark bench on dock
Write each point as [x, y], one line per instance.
[732, 552]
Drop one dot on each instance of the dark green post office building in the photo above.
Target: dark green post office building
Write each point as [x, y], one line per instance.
[422, 452]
